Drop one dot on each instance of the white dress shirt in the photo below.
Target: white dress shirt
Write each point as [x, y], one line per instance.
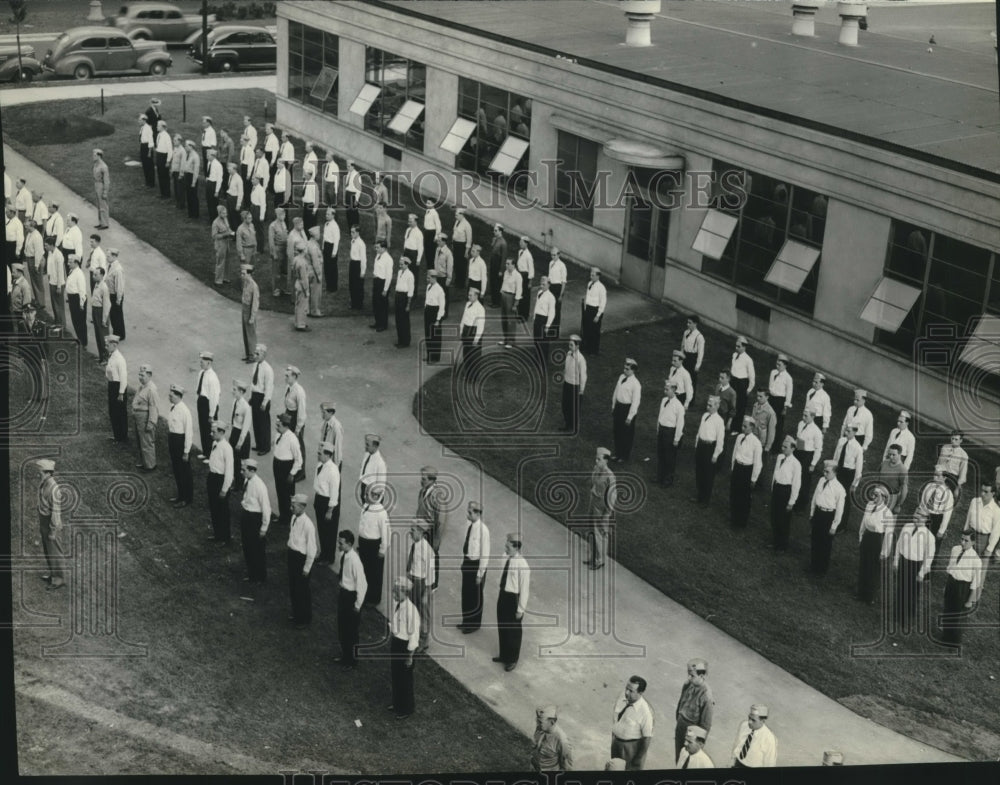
[809, 438]
[829, 495]
[713, 429]
[518, 580]
[286, 448]
[699, 760]
[352, 576]
[748, 451]
[179, 422]
[474, 316]
[434, 298]
[256, 499]
[512, 283]
[327, 482]
[420, 561]
[72, 241]
[631, 721]
[404, 282]
[405, 623]
[55, 227]
[763, 749]
[557, 271]
[671, 416]
[526, 263]
[208, 138]
[295, 401]
[780, 384]
[373, 469]
[627, 390]
[916, 543]
[788, 471]
[545, 305]
[597, 295]
[878, 518]
[862, 417]
[215, 174]
[477, 272]
[853, 457]
[331, 234]
[76, 283]
[263, 374]
[359, 253]
[904, 439]
[208, 383]
[382, 269]
[682, 379]
[741, 367]
[984, 519]
[220, 461]
[478, 549]
[965, 565]
[936, 498]
[117, 371]
[413, 240]
[374, 525]
[55, 266]
[432, 222]
[302, 538]
[955, 460]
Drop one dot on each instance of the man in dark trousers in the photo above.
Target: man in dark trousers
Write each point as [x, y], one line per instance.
[350, 598]
[180, 437]
[404, 637]
[512, 602]
[475, 559]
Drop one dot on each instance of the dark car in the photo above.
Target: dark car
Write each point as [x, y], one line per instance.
[84, 52]
[30, 67]
[237, 47]
[158, 22]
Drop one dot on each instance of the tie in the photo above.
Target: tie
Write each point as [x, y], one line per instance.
[590, 285]
[503, 578]
[409, 559]
[622, 712]
[365, 467]
[746, 746]
[173, 406]
[201, 378]
[256, 373]
[743, 436]
[781, 461]
[468, 536]
[823, 486]
[341, 570]
[288, 391]
[687, 760]
[232, 418]
[843, 454]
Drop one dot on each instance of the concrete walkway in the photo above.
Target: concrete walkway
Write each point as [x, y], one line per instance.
[582, 639]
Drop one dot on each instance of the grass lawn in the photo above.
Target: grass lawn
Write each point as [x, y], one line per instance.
[220, 669]
[730, 577]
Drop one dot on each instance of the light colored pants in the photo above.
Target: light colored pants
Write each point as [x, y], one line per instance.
[146, 439]
[301, 305]
[315, 295]
[221, 257]
[103, 211]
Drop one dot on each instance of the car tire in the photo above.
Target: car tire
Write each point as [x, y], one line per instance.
[227, 66]
[83, 72]
[26, 76]
[157, 69]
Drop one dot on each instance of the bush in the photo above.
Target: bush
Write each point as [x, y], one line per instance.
[255, 11]
[270, 10]
[241, 12]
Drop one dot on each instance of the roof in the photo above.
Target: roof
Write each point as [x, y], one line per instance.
[939, 105]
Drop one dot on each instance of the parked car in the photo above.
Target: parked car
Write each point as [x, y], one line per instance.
[84, 52]
[30, 67]
[236, 47]
[158, 22]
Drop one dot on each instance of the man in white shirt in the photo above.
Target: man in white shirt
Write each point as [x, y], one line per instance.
[180, 437]
[444, 264]
[808, 451]
[693, 755]
[55, 226]
[381, 279]
[574, 384]
[76, 296]
[786, 486]
[72, 241]
[271, 148]
[632, 725]
[849, 458]
[261, 392]
[116, 373]
[818, 400]
[475, 560]
[709, 443]
[255, 517]
[302, 549]
[295, 407]
[331, 245]
[209, 143]
[512, 602]
[420, 571]
[874, 546]
[350, 598]
[511, 295]
[434, 306]
[860, 415]
[22, 201]
[779, 387]
[374, 473]
[595, 301]
[624, 405]
[331, 179]
[669, 431]
[55, 268]
[164, 151]
[741, 372]
[755, 745]
[915, 548]
[903, 436]
[681, 378]
[326, 487]
[936, 500]
[557, 285]
[220, 479]
[461, 245]
[404, 299]
[352, 193]
[404, 638]
[192, 171]
[100, 314]
[431, 227]
[962, 590]
[478, 276]
[983, 520]
[286, 465]
[525, 264]
[14, 234]
[471, 332]
[746, 464]
[357, 267]
[544, 318]
[207, 392]
[373, 544]
[825, 514]
[214, 178]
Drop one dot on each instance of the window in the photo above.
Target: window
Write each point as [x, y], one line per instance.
[773, 246]
[576, 177]
[237, 39]
[94, 43]
[955, 298]
[401, 86]
[119, 43]
[174, 15]
[310, 51]
[497, 147]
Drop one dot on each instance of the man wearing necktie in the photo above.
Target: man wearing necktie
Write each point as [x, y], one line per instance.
[404, 635]
[350, 598]
[472, 325]
[475, 559]
[208, 393]
[373, 469]
[632, 725]
[551, 750]
[708, 447]
[624, 406]
[512, 601]
[433, 314]
[420, 571]
[545, 314]
[755, 745]
[594, 303]
[373, 542]
[219, 481]
[239, 435]
[261, 391]
[961, 592]
[180, 435]
[745, 464]
[326, 486]
[430, 507]
[826, 511]
[786, 485]
[286, 465]
[295, 408]
[302, 548]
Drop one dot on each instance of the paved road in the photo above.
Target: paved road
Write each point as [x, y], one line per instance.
[561, 662]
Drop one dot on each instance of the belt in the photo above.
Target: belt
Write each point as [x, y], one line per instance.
[740, 463]
[825, 509]
[619, 738]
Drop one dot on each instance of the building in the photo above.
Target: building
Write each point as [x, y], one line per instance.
[840, 204]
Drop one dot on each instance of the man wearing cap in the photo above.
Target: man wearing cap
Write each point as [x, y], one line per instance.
[115, 280]
[860, 415]
[694, 707]
[557, 285]
[381, 278]
[55, 266]
[331, 178]
[818, 400]
[681, 379]
[180, 436]
[478, 277]
[116, 373]
[692, 755]
[234, 197]
[431, 508]
[373, 542]
[350, 600]
[177, 163]
[357, 266]
[632, 725]
[295, 407]
[544, 317]
[145, 415]
[272, 146]
[595, 301]
[624, 406]
[915, 548]
[326, 487]
[299, 272]
[936, 500]
[221, 234]
[164, 152]
[251, 304]
[286, 466]
[472, 325]
[239, 433]
[875, 547]
[892, 473]
[302, 550]
[808, 451]
[512, 602]
[72, 240]
[246, 242]
[373, 469]
[153, 112]
[100, 313]
[475, 560]
[741, 372]
[404, 637]
[574, 384]
[208, 392]
[209, 141]
[786, 487]
[903, 436]
[13, 233]
[255, 517]
[498, 255]
[825, 513]
[669, 431]
[765, 421]
[76, 296]
[20, 295]
[22, 200]
[404, 298]
[191, 171]
[413, 244]
[102, 187]
[314, 257]
[746, 464]
[420, 571]
[431, 229]
[963, 588]
[849, 458]
[50, 523]
[277, 242]
[261, 390]
[551, 750]
[331, 245]
[434, 311]
[511, 296]
[332, 431]
[603, 496]
[219, 481]
[779, 389]
[214, 179]
[525, 267]
[709, 444]
[54, 227]
[34, 262]
[461, 245]
[755, 745]
[31, 345]
[444, 264]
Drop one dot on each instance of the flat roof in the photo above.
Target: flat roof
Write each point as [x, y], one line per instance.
[941, 105]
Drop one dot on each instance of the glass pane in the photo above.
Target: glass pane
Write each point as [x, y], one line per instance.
[908, 250]
[662, 230]
[640, 228]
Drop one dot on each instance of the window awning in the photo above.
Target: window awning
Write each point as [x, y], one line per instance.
[459, 134]
[365, 99]
[982, 350]
[714, 234]
[508, 155]
[889, 304]
[405, 117]
[792, 266]
[324, 83]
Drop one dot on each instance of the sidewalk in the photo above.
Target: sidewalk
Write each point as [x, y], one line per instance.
[562, 661]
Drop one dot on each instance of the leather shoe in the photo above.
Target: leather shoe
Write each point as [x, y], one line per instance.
[402, 716]
[54, 586]
[510, 666]
[468, 630]
[497, 659]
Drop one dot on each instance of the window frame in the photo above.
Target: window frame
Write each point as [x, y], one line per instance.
[564, 186]
[479, 155]
[381, 112]
[304, 69]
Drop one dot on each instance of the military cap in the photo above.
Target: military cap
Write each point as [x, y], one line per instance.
[698, 663]
[146, 368]
[17, 267]
[261, 347]
[46, 465]
[177, 389]
[241, 384]
[219, 426]
[696, 732]
[833, 758]
[300, 498]
[111, 339]
[829, 464]
[403, 582]
[284, 419]
[250, 463]
[207, 356]
[328, 448]
[603, 452]
[760, 710]
[328, 407]
[293, 369]
[862, 393]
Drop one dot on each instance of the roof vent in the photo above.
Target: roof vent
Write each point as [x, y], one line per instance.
[804, 17]
[640, 15]
[851, 14]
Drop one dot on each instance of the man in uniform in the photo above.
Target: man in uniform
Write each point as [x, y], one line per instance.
[544, 317]
[741, 372]
[286, 466]
[381, 278]
[31, 337]
[498, 255]
[818, 400]
[331, 245]
[239, 430]
[246, 242]
[433, 314]
[574, 384]
[603, 496]
[624, 406]
[445, 266]
[903, 436]
[261, 390]
[475, 560]
[34, 262]
[860, 415]
[413, 246]
[302, 550]
[808, 451]
[461, 245]
[849, 457]
[21, 293]
[373, 543]
[221, 234]
[472, 325]
[779, 389]
[430, 508]
[180, 436]
[254, 519]
[595, 301]
[295, 407]
[766, 421]
[692, 754]
[115, 279]
[145, 415]
[525, 265]
[219, 481]
[512, 602]
[420, 571]
[825, 514]
[300, 284]
[709, 445]
[102, 187]
[214, 179]
[746, 464]
[277, 243]
[669, 431]
[551, 750]
[892, 473]
[116, 372]
[557, 285]
[404, 637]
[357, 266]
[251, 304]
[632, 725]
[56, 272]
[315, 256]
[786, 486]
[695, 705]
[50, 524]
[326, 487]
[511, 295]
[208, 392]
[478, 276]
[755, 745]
[76, 296]
[192, 171]
[350, 599]
[404, 298]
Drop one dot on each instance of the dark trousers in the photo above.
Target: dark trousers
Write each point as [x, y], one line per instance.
[432, 335]
[740, 386]
[218, 508]
[58, 298]
[240, 454]
[461, 266]
[117, 316]
[148, 166]
[590, 328]
[211, 200]
[298, 588]
[329, 267]
[204, 425]
[507, 316]
[540, 334]
[356, 284]
[402, 676]
[253, 546]
[117, 412]
[191, 195]
[402, 319]
[704, 470]
[97, 318]
[689, 362]
[471, 352]
[666, 454]
[182, 468]
[907, 593]
[821, 541]
[571, 406]
[325, 530]
[781, 516]
[845, 477]
[556, 289]
[956, 594]
[232, 213]
[78, 316]
[261, 416]
[624, 432]
[778, 404]
[284, 488]
[472, 595]
[52, 547]
[508, 627]
[348, 622]
[739, 494]
[869, 565]
[163, 173]
[180, 189]
[373, 566]
[524, 306]
[496, 268]
[380, 304]
[805, 497]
